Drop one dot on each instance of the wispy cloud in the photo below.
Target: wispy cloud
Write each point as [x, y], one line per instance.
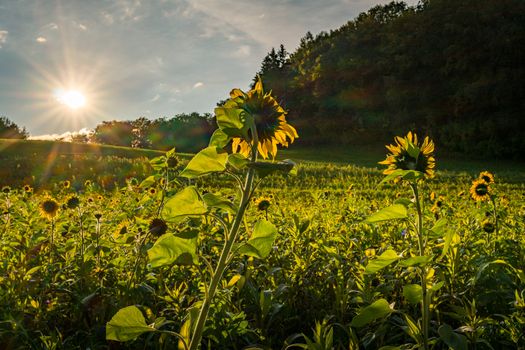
[3, 37]
[243, 51]
[41, 39]
[66, 136]
[198, 85]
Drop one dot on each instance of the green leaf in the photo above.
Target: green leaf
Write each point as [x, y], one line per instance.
[264, 169]
[395, 211]
[219, 139]
[449, 237]
[234, 122]
[413, 293]
[404, 174]
[215, 201]
[261, 242]
[404, 201]
[209, 160]
[415, 260]
[378, 309]
[127, 324]
[382, 261]
[454, 340]
[184, 203]
[170, 249]
[158, 163]
[439, 228]
[148, 182]
[412, 149]
[238, 161]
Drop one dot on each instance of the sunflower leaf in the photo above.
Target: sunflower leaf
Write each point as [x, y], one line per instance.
[184, 203]
[395, 211]
[209, 160]
[127, 324]
[219, 139]
[261, 241]
[169, 249]
[266, 168]
[378, 309]
[382, 261]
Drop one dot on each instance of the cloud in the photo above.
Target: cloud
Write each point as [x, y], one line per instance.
[66, 136]
[198, 85]
[41, 39]
[243, 51]
[3, 37]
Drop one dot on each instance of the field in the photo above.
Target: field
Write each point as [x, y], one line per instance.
[117, 248]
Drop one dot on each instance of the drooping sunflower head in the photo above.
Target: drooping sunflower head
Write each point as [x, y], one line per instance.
[158, 227]
[73, 202]
[270, 121]
[408, 154]
[6, 189]
[480, 190]
[263, 203]
[488, 226]
[487, 177]
[49, 208]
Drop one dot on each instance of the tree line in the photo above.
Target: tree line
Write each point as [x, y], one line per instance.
[451, 69]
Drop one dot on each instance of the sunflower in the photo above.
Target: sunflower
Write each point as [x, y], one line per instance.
[66, 184]
[270, 121]
[72, 202]
[487, 177]
[49, 208]
[480, 190]
[158, 227]
[488, 226]
[28, 189]
[6, 189]
[263, 203]
[408, 154]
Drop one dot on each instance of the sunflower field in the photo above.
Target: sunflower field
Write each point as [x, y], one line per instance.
[230, 250]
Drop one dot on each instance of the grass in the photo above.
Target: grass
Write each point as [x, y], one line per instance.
[360, 155]
[368, 156]
[17, 148]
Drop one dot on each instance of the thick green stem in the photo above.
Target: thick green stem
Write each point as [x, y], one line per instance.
[221, 265]
[228, 245]
[425, 303]
[495, 215]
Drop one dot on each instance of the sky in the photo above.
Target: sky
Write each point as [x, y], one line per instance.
[132, 58]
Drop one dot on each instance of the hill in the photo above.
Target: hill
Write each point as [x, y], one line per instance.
[451, 69]
[44, 163]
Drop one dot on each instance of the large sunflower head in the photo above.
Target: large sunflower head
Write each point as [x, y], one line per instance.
[269, 118]
[408, 154]
[480, 190]
[49, 208]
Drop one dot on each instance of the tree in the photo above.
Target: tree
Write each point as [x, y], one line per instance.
[117, 133]
[9, 130]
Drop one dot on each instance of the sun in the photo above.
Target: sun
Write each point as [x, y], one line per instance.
[73, 99]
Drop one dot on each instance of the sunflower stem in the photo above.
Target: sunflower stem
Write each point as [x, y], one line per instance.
[227, 249]
[495, 215]
[425, 310]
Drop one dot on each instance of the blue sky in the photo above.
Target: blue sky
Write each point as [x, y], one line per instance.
[132, 58]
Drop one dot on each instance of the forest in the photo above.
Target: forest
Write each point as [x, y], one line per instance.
[452, 69]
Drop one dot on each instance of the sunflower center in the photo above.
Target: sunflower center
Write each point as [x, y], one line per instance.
[49, 206]
[481, 189]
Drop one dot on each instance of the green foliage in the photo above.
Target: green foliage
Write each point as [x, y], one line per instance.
[9, 130]
[378, 309]
[441, 68]
[127, 324]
